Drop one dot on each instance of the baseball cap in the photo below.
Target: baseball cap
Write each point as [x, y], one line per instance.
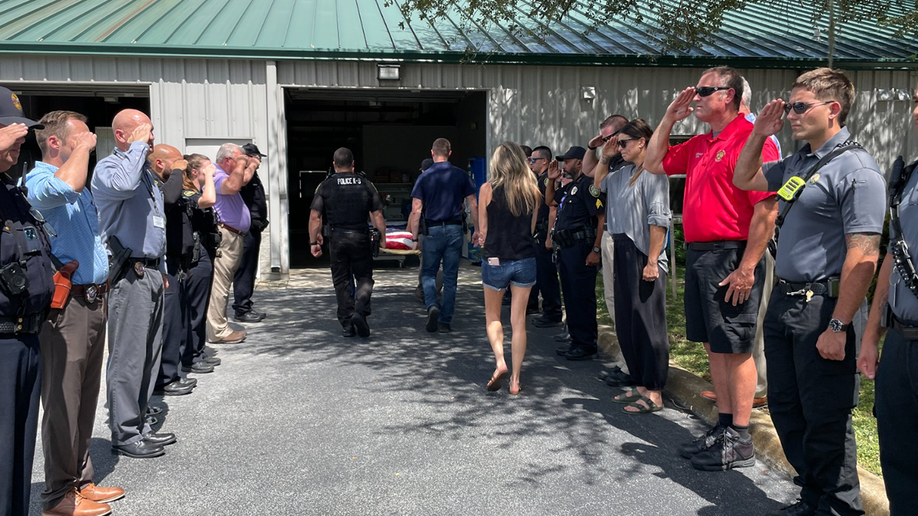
[11, 110]
[573, 153]
[250, 149]
[427, 163]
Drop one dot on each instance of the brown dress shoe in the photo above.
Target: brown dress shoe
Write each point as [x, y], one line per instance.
[73, 504]
[101, 494]
[233, 338]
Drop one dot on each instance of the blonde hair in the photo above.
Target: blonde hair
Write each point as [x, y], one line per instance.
[195, 162]
[508, 169]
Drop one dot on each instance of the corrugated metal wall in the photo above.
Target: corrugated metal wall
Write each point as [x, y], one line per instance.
[537, 105]
[543, 105]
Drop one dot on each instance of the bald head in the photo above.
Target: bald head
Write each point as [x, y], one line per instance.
[128, 126]
[162, 158]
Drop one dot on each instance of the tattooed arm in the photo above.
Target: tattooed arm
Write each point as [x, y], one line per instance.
[857, 272]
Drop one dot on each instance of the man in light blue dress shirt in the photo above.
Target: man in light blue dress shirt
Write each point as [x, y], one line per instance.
[73, 338]
[131, 210]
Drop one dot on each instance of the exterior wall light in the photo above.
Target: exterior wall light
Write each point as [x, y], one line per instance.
[387, 72]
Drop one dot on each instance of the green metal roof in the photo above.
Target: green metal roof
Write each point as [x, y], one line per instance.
[757, 36]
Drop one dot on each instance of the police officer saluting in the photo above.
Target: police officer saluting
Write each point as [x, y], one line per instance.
[343, 202]
[26, 288]
[895, 311]
[832, 211]
[577, 234]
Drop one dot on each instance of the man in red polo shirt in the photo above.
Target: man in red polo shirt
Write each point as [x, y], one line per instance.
[727, 231]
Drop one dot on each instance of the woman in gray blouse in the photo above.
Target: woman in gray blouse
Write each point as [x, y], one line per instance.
[639, 220]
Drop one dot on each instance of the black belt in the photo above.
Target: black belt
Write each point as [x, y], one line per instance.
[89, 291]
[431, 223]
[827, 288]
[151, 263]
[363, 231]
[25, 324]
[908, 331]
[719, 244]
[231, 229]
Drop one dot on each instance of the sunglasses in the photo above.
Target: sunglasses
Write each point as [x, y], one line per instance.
[533, 160]
[707, 91]
[607, 138]
[624, 143]
[802, 107]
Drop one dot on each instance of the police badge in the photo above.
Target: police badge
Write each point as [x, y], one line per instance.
[138, 269]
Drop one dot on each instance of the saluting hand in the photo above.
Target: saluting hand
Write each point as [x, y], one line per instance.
[11, 134]
[596, 141]
[610, 148]
[554, 171]
[771, 119]
[681, 107]
[142, 133]
[254, 162]
[86, 140]
[210, 169]
[179, 164]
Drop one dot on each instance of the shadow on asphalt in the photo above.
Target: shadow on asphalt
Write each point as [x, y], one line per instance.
[454, 369]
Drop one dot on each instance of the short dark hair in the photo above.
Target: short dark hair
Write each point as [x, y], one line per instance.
[827, 84]
[55, 124]
[441, 147]
[637, 128]
[527, 150]
[617, 120]
[544, 152]
[344, 157]
[732, 79]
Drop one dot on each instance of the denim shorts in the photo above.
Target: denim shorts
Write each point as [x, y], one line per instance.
[519, 273]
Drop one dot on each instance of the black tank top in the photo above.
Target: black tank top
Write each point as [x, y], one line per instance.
[509, 237]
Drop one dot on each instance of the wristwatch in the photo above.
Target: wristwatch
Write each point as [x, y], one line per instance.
[313, 243]
[596, 249]
[837, 326]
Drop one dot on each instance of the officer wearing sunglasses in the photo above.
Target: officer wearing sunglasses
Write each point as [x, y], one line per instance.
[726, 232]
[827, 254]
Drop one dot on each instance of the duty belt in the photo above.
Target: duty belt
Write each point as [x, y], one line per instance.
[712, 246]
[142, 264]
[570, 237]
[908, 331]
[25, 324]
[828, 288]
[90, 292]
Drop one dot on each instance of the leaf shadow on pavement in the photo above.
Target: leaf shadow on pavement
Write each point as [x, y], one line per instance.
[563, 407]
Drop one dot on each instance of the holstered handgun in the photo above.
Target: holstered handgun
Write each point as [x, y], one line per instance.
[374, 242]
[118, 260]
[197, 249]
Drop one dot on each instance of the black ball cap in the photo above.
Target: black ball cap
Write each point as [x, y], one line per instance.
[250, 149]
[11, 110]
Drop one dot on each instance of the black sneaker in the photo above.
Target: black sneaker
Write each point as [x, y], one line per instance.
[563, 337]
[729, 451]
[444, 327]
[359, 322]
[700, 443]
[348, 330]
[564, 350]
[581, 353]
[433, 313]
[542, 322]
[800, 508]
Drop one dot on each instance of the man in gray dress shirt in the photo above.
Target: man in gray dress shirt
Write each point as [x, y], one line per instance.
[131, 210]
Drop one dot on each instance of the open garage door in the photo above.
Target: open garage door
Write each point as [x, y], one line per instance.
[99, 102]
[390, 133]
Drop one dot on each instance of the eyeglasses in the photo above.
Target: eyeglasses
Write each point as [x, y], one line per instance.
[533, 160]
[802, 107]
[623, 143]
[707, 91]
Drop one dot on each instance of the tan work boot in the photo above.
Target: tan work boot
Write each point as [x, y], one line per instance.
[233, 338]
[101, 494]
[73, 504]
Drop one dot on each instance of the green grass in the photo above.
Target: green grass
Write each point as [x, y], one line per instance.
[692, 357]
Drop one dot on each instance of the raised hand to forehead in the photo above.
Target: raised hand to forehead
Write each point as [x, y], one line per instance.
[771, 119]
[86, 140]
[11, 133]
[554, 172]
[681, 107]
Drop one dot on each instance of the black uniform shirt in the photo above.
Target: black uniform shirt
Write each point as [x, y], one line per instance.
[345, 199]
[203, 220]
[543, 180]
[253, 195]
[579, 204]
[179, 240]
[23, 242]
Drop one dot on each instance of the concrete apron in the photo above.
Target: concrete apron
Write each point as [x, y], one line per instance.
[685, 388]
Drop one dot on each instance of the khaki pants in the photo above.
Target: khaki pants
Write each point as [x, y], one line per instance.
[72, 345]
[225, 264]
[608, 248]
[758, 352]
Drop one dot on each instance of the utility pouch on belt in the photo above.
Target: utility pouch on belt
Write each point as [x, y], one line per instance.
[62, 284]
[198, 247]
[374, 242]
[562, 237]
[118, 259]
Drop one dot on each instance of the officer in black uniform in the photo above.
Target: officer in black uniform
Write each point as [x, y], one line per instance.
[253, 195]
[198, 197]
[546, 270]
[343, 202]
[26, 287]
[895, 311]
[576, 236]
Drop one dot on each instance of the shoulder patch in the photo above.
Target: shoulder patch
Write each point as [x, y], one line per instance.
[594, 191]
[188, 193]
[545, 182]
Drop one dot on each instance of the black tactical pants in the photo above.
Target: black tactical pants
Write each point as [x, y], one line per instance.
[350, 256]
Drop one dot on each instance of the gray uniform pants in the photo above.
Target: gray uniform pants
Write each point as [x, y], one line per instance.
[135, 328]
